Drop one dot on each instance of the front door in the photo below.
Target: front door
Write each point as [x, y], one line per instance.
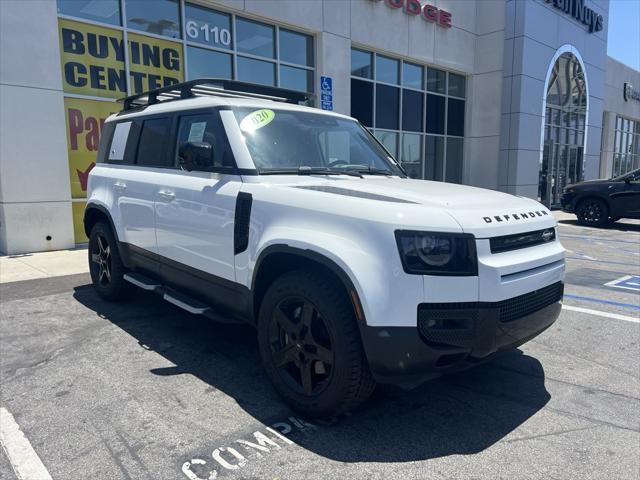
[195, 206]
[625, 201]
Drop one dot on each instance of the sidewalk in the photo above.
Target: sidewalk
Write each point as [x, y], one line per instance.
[29, 266]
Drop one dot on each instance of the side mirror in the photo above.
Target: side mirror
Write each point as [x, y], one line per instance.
[195, 155]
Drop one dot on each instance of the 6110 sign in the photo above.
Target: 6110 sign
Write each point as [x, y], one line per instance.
[210, 34]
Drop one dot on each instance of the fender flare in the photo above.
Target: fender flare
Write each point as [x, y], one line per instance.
[318, 258]
[103, 211]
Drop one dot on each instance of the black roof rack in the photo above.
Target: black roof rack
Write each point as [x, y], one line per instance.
[211, 87]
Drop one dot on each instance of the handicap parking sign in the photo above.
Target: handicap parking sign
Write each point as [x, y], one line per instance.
[326, 93]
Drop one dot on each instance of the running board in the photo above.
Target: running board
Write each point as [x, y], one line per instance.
[186, 303]
[141, 281]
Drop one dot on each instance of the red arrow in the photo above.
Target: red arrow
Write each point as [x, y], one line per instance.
[84, 176]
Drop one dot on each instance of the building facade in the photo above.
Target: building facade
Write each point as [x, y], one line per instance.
[510, 95]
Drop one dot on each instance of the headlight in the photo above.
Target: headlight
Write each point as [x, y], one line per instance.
[427, 253]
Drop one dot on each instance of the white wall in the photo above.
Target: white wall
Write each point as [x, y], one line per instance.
[35, 195]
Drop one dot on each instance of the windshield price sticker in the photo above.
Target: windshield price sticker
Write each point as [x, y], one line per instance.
[196, 132]
[256, 120]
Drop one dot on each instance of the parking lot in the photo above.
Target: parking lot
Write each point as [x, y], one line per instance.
[142, 390]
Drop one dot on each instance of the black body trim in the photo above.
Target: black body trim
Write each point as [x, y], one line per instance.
[227, 297]
[242, 222]
[507, 243]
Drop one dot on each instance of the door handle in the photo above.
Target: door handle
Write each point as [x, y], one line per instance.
[120, 186]
[167, 194]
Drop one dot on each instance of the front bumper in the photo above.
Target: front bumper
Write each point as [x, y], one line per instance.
[455, 336]
[566, 202]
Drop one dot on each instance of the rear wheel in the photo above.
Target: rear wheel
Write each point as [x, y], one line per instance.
[592, 212]
[310, 345]
[105, 265]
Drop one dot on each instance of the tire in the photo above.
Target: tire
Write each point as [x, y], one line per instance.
[105, 265]
[592, 212]
[307, 330]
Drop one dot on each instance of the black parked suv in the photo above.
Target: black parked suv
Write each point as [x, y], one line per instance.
[598, 202]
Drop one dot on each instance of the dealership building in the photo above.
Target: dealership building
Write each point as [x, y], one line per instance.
[512, 95]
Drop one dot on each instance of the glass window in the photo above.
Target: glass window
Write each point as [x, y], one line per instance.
[208, 27]
[435, 114]
[361, 64]
[202, 144]
[454, 160]
[434, 158]
[362, 101]
[412, 75]
[411, 154]
[436, 80]
[255, 38]
[291, 139]
[208, 64]
[457, 85]
[105, 11]
[119, 141]
[412, 110]
[296, 48]
[389, 140]
[154, 140]
[387, 70]
[296, 78]
[256, 71]
[161, 17]
[387, 107]
[455, 117]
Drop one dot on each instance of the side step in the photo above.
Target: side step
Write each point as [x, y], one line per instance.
[186, 303]
[141, 281]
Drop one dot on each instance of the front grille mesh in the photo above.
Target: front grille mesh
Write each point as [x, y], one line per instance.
[526, 304]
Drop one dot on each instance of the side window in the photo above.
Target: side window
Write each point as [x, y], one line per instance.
[105, 142]
[154, 139]
[202, 144]
[119, 142]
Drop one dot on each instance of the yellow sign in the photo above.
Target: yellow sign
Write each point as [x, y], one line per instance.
[84, 119]
[77, 211]
[93, 61]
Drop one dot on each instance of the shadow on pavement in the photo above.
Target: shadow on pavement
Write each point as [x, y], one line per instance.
[462, 413]
[619, 226]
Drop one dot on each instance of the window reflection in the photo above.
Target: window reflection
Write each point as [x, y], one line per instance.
[161, 17]
[105, 11]
[255, 38]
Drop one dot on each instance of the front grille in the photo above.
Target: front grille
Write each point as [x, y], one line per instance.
[507, 243]
[526, 304]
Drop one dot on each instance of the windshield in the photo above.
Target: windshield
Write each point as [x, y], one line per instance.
[285, 140]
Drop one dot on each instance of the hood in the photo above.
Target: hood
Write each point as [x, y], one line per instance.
[485, 213]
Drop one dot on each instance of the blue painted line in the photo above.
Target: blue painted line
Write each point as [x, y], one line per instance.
[603, 302]
[598, 239]
[626, 264]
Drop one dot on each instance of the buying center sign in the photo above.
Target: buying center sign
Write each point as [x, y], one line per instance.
[93, 61]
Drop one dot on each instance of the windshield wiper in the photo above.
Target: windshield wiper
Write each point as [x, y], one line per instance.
[305, 170]
[374, 171]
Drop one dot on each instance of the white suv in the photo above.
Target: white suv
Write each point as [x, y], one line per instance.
[245, 207]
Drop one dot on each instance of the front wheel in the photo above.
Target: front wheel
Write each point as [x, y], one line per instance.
[310, 345]
[592, 212]
[105, 265]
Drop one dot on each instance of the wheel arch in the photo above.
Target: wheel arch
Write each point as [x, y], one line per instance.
[94, 213]
[278, 259]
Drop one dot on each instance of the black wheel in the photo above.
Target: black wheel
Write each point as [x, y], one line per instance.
[105, 265]
[592, 212]
[310, 345]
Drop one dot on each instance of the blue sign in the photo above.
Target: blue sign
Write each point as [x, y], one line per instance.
[630, 282]
[326, 93]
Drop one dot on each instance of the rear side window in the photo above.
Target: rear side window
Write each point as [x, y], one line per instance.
[105, 142]
[202, 144]
[119, 142]
[154, 139]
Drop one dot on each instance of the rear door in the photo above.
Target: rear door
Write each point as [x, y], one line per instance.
[626, 198]
[136, 184]
[195, 206]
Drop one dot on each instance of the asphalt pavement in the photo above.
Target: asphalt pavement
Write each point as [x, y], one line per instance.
[142, 390]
